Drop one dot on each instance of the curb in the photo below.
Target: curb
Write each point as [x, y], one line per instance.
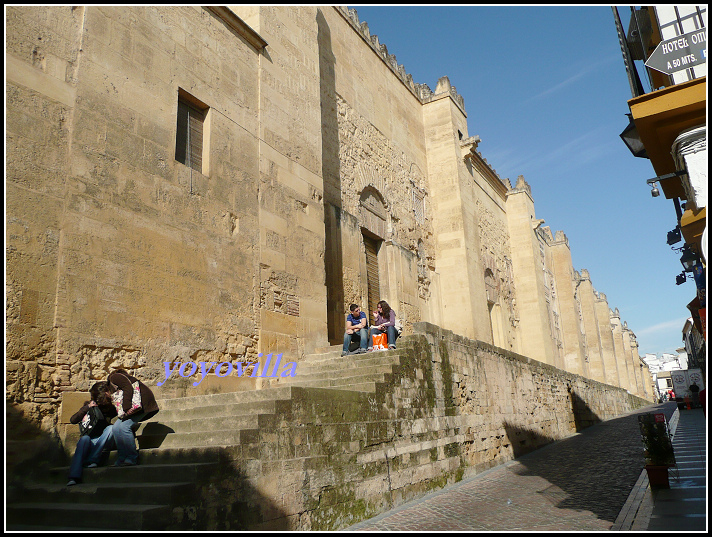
[638, 508]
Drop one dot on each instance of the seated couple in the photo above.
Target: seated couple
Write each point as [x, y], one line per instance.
[357, 327]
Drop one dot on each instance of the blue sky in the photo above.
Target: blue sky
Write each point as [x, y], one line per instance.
[545, 88]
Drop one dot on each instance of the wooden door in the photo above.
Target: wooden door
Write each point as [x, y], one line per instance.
[374, 290]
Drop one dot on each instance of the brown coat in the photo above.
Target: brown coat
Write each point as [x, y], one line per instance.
[121, 380]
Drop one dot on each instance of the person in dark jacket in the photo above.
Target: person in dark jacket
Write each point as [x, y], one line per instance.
[125, 426]
[90, 446]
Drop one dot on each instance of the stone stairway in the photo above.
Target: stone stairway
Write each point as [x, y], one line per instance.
[186, 447]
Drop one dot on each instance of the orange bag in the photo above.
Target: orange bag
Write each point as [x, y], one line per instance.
[380, 341]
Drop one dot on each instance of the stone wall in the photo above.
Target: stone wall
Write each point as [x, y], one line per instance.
[115, 248]
[119, 255]
[452, 407]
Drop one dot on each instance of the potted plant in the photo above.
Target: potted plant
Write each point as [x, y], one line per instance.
[659, 454]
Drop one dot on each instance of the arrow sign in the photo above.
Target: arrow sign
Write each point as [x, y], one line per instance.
[680, 53]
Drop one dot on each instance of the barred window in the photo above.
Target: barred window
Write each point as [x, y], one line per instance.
[190, 131]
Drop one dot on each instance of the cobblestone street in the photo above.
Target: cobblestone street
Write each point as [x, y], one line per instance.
[579, 483]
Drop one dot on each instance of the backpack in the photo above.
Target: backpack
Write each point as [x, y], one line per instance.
[93, 423]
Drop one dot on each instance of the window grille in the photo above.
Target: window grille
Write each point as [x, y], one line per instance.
[189, 134]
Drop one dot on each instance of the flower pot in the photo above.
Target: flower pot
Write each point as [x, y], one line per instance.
[658, 475]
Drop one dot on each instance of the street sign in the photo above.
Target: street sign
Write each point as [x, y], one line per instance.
[681, 52]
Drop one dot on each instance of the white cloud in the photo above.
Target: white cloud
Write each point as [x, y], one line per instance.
[590, 68]
[667, 326]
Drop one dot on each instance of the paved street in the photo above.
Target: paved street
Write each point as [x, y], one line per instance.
[579, 483]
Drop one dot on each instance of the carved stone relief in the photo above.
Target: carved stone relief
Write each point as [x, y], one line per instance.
[369, 160]
[497, 258]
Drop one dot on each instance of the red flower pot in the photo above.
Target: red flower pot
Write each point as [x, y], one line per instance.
[658, 476]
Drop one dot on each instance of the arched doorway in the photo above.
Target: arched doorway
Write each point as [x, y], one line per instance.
[372, 217]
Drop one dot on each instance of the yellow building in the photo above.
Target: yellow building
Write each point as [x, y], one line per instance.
[669, 124]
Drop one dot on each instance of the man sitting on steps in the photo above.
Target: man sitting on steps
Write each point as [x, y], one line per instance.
[356, 325]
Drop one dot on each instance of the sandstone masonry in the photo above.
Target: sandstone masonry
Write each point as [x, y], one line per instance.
[325, 176]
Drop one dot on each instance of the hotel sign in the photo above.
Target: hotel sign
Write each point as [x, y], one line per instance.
[681, 52]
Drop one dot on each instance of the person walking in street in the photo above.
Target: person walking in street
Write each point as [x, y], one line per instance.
[137, 403]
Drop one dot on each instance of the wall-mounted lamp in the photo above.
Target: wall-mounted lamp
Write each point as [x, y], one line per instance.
[631, 139]
[674, 236]
[680, 279]
[688, 259]
[652, 182]
[654, 192]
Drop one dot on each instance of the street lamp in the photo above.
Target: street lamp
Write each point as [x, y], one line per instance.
[688, 259]
[631, 139]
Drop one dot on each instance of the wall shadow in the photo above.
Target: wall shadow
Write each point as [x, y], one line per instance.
[222, 498]
[29, 450]
[593, 471]
[330, 170]
[584, 416]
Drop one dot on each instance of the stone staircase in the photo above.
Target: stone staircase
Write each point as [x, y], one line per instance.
[188, 451]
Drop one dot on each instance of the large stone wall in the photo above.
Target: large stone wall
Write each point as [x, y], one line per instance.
[453, 407]
[118, 255]
[115, 248]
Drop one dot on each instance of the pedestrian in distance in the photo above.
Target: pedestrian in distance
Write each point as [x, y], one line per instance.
[695, 391]
[134, 403]
[356, 327]
[96, 413]
[384, 321]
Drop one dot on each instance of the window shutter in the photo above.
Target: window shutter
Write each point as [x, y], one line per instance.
[189, 136]
[195, 139]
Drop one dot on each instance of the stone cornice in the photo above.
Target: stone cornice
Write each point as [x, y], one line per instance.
[238, 25]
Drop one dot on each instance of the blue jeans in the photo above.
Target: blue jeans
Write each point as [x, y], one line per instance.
[390, 330]
[126, 439]
[363, 334]
[89, 451]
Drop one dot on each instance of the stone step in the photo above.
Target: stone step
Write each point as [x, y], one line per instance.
[336, 382]
[117, 493]
[87, 515]
[234, 409]
[191, 424]
[330, 348]
[315, 359]
[367, 387]
[141, 473]
[229, 398]
[344, 364]
[192, 439]
[343, 373]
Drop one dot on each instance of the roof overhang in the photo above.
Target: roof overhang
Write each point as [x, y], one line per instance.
[660, 116]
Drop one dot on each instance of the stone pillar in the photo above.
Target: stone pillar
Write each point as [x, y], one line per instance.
[293, 300]
[630, 361]
[586, 296]
[570, 313]
[457, 240]
[527, 263]
[619, 349]
[606, 337]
